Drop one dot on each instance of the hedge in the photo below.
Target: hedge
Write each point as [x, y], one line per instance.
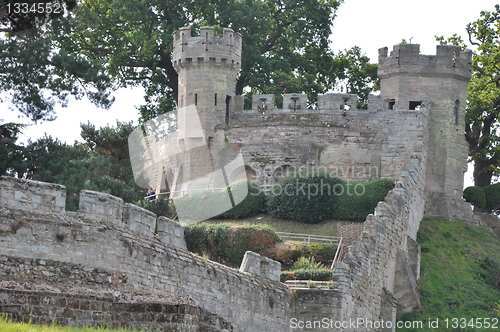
[361, 198]
[492, 193]
[227, 243]
[206, 205]
[307, 274]
[484, 197]
[307, 197]
[311, 197]
[475, 195]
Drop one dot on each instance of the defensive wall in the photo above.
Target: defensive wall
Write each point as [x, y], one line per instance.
[104, 266]
[111, 251]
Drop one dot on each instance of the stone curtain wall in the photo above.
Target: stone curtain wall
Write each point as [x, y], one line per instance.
[140, 262]
[366, 277]
[355, 144]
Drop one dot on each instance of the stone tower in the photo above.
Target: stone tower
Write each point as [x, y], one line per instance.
[406, 79]
[207, 66]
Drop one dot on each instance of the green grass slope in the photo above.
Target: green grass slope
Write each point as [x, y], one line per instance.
[459, 280]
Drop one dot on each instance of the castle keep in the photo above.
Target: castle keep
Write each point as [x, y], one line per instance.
[420, 110]
[112, 263]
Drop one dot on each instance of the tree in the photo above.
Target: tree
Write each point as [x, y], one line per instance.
[483, 97]
[10, 152]
[37, 70]
[285, 43]
[101, 163]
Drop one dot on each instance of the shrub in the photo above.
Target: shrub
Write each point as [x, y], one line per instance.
[475, 195]
[227, 243]
[492, 193]
[304, 263]
[359, 199]
[253, 203]
[491, 272]
[313, 274]
[307, 197]
[310, 197]
[322, 252]
[202, 206]
[159, 206]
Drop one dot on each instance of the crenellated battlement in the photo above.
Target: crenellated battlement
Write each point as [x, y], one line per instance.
[206, 49]
[94, 207]
[406, 59]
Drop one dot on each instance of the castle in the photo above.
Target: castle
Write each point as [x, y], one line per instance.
[116, 264]
[420, 110]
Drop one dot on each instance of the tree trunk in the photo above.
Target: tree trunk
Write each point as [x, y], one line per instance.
[482, 178]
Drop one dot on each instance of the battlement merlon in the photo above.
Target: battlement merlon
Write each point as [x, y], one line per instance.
[206, 48]
[449, 61]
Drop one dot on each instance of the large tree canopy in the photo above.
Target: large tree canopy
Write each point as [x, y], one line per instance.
[37, 68]
[285, 43]
[483, 97]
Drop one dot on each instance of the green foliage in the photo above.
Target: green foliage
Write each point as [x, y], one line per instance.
[453, 270]
[310, 197]
[159, 206]
[483, 97]
[252, 204]
[359, 199]
[475, 195]
[307, 274]
[491, 273]
[101, 164]
[286, 45]
[492, 193]
[200, 204]
[38, 72]
[304, 263]
[227, 243]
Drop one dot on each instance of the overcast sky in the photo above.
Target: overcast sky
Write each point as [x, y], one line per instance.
[367, 23]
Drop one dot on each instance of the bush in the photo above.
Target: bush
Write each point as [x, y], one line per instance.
[159, 206]
[492, 193]
[206, 205]
[359, 199]
[491, 272]
[322, 252]
[253, 203]
[305, 263]
[310, 197]
[307, 274]
[227, 243]
[307, 197]
[475, 195]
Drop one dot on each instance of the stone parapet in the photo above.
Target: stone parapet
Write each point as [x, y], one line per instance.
[206, 49]
[32, 195]
[449, 61]
[261, 266]
[101, 207]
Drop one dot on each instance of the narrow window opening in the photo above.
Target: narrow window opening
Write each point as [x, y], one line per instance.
[415, 105]
[196, 99]
[228, 103]
[392, 103]
[455, 112]
[215, 99]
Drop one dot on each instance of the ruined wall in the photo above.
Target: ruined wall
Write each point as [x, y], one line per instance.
[136, 260]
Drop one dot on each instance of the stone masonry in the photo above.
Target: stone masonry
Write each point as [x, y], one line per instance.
[412, 133]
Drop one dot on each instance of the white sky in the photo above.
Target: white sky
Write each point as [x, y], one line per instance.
[369, 24]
